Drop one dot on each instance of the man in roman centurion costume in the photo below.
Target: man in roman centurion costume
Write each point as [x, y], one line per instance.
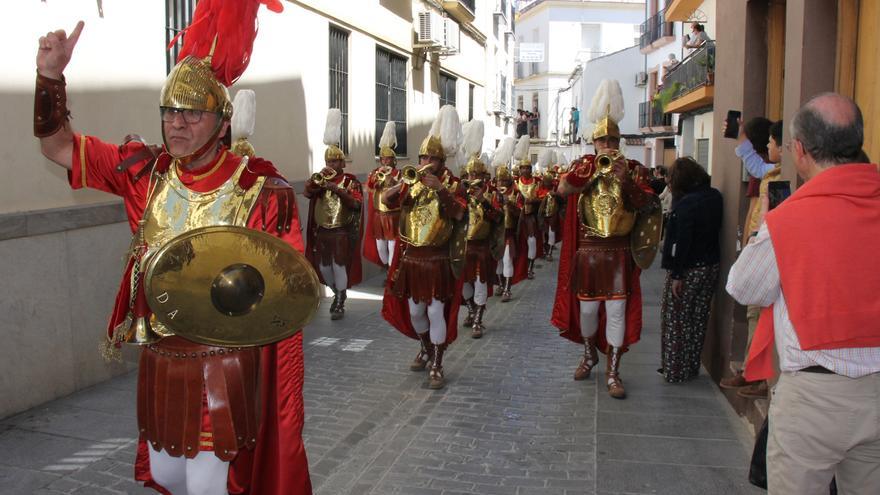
[550, 200]
[334, 228]
[598, 298]
[423, 293]
[214, 418]
[505, 194]
[485, 234]
[382, 221]
[528, 202]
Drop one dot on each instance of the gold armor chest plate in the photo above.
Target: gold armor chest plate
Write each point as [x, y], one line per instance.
[330, 212]
[529, 193]
[423, 224]
[478, 227]
[550, 206]
[602, 211]
[510, 216]
[175, 209]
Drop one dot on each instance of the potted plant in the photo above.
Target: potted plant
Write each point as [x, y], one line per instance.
[664, 96]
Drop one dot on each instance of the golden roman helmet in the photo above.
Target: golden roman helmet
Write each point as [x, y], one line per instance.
[475, 166]
[333, 152]
[432, 147]
[387, 152]
[502, 172]
[605, 127]
[333, 135]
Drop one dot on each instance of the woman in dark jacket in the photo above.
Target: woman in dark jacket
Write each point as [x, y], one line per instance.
[691, 255]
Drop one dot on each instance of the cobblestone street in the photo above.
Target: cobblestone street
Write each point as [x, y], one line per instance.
[510, 421]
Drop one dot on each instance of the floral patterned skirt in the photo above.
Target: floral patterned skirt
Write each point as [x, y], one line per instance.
[683, 322]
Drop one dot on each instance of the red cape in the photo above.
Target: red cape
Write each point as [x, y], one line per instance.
[521, 261]
[355, 267]
[395, 310]
[566, 310]
[371, 252]
[278, 464]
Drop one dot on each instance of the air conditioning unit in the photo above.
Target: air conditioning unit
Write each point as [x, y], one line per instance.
[451, 35]
[641, 78]
[431, 29]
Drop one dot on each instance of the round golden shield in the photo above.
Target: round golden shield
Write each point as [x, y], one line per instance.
[645, 236]
[231, 286]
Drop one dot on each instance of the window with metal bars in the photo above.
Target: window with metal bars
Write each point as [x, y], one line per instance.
[391, 96]
[339, 78]
[178, 14]
[446, 85]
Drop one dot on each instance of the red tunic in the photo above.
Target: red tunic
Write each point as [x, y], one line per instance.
[566, 309]
[381, 225]
[257, 471]
[528, 227]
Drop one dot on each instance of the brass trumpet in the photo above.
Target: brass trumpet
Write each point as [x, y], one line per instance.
[606, 160]
[383, 173]
[320, 179]
[410, 175]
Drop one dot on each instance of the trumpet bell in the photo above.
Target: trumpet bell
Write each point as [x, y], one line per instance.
[140, 332]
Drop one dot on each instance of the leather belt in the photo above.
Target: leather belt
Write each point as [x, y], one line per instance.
[818, 369]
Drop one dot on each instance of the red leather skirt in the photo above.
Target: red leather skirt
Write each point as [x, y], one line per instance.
[479, 261]
[332, 246]
[385, 225]
[602, 268]
[424, 273]
[186, 388]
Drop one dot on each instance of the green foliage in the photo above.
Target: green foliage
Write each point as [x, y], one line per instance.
[666, 95]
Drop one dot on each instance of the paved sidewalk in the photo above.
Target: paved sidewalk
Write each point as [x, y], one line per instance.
[511, 420]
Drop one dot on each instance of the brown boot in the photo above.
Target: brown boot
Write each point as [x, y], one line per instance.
[588, 361]
[426, 353]
[435, 376]
[477, 332]
[505, 294]
[756, 390]
[735, 381]
[612, 374]
[530, 274]
[337, 312]
[472, 308]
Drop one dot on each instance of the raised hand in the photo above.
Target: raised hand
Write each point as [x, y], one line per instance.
[56, 49]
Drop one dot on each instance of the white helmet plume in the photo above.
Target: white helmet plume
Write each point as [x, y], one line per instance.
[607, 100]
[389, 136]
[504, 152]
[333, 129]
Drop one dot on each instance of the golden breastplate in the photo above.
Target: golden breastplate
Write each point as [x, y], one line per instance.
[175, 209]
[330, 212]
[422, 224]
[378, 205]
[510, 213]
[479, 227]
[529, 193]
[602, 211]
[550, 206]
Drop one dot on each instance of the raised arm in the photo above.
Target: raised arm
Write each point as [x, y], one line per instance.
[51, 122]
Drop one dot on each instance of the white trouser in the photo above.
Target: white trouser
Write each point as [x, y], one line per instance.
[386, 250]
[478, 290]
[204, 474]
[533, 247]
[505, 268]
[551, 236]
[334, 276]
[615, 320]
[427, 317]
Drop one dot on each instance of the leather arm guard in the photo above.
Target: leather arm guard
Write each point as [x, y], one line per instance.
[50, 106]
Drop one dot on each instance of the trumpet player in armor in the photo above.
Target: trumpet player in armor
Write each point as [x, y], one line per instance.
[212, 419]
[485, 232]
[423, 293]
[334, 228]
[382, 220]
[549, 209]
[598, 298]
[505, 198]
[529, 203]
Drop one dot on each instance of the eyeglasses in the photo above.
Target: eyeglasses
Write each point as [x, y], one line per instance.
[189, 116]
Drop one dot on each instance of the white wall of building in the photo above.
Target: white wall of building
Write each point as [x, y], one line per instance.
[567, 31]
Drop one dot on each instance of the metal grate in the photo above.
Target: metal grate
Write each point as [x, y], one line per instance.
[391, 96]
[339, 78]
[178, 14]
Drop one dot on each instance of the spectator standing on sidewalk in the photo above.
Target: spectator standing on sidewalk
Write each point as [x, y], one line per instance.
[691, 256]
[819, 246]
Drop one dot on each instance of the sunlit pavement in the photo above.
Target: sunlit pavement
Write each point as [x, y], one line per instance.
[510, 421]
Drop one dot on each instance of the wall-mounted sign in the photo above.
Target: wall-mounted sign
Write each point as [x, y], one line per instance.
[531, 52]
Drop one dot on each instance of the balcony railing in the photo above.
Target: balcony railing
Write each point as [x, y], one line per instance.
[651, 115]
[695, 71]
[655, 28]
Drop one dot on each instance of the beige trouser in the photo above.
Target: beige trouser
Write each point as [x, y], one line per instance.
[752, 314]
[821, 426]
